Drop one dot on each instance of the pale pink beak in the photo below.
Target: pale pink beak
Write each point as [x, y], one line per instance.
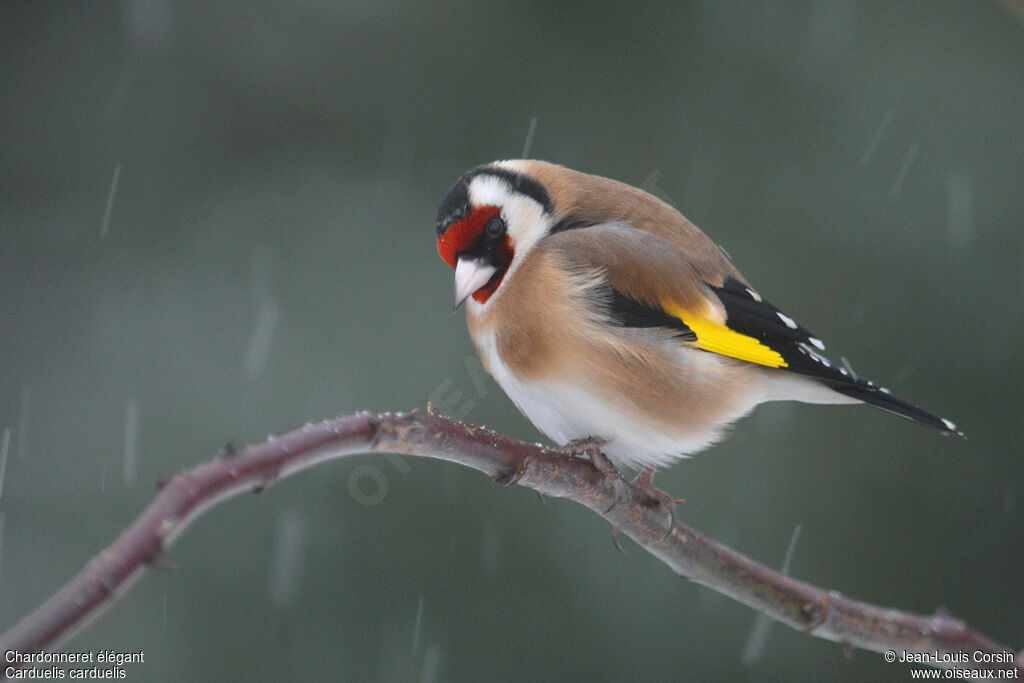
[470, 275]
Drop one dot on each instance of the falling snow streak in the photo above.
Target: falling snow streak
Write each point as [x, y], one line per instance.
[416, 627]
[3, 518]
[791, 549]
[960, 203]
[288, 558]
[430, 662]
[848, 367]
[5, 446]
[111, 196]
[901, 175]
[650, 184]
[529, 138]
[763, 624]
[259, 342]
[131, 440]
[489, 547]
[26, 403]
[876, 139]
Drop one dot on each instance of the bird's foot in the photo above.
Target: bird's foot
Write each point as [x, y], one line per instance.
[591, 447]
[644, 482]
[587, 446]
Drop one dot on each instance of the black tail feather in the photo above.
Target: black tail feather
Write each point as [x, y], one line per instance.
[871, 394]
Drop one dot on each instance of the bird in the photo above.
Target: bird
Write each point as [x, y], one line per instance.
[609, 318]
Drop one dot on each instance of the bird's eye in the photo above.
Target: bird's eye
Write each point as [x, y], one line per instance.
[495, 227]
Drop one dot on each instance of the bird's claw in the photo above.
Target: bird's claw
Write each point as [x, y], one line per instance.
[591, 447]
[644, 482]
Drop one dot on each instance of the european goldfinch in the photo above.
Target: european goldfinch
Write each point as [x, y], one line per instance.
[604, 314]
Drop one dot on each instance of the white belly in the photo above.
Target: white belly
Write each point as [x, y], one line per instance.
[566, 411]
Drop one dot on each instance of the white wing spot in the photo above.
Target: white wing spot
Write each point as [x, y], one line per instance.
[786, 319]
[753, 295]
[843, 371]
[818, 344]
[884, 390]
[949, 425]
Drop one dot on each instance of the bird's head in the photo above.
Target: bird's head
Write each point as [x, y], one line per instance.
[486, 224]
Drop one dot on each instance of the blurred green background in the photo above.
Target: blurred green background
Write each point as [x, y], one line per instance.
[216, 223]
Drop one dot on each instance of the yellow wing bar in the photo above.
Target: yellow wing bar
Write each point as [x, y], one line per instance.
[718, 338]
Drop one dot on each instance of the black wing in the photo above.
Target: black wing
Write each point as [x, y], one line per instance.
[626, 311]
[749, 314]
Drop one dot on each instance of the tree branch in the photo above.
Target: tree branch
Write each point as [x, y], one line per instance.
[629, 509]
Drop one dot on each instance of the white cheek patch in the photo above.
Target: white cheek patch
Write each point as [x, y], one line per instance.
[524, 217]
[521, 213]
